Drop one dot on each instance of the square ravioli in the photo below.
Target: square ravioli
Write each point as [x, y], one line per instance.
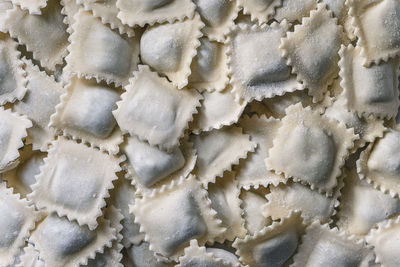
[141, 12]
[224, 196]
[66, 243]
[217, 109]
[170, 48]
[154, 110]
[43, 95]
[12, 73]
[367, 128]
[273, 245]
[33, 31]
[385, 239]
[362, 206]
[85, 113]
[209, 69]
[369, 91]
[252, 171]
[379, 164]
[199, 133]
[98, 52]
[219, 150]
[112, 255]
[13, 128]
[322, 246]
[22, 177]
[294, 10]
[218, 15]
[298, 197]
[256, 67]
[310, 148]
[17, 217]
[377, 26]
[122, 196]
[174, 215]
[252, 200]
[74, 181]
[261, 11]
[312, 50]
[150, 167]
[107, 11]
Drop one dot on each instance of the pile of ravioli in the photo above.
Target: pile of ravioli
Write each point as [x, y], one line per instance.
[199, 133]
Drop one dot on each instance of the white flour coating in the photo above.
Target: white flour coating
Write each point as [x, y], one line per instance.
[199, 133]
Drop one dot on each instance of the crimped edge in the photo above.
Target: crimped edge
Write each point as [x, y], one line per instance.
[256, 16]
[194, 251]
[121, 196]
[243, 208]
[30, 139]
[29, 253]
[30, 9]
[370, 138]
[115, 217]
[337, 196]
[339, 210]
[264, 182]
[122, 29]
[66, 20]
[231, 233]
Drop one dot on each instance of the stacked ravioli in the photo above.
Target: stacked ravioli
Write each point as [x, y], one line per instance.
[216, 133]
